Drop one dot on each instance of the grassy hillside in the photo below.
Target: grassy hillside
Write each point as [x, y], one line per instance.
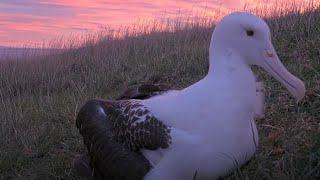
[40, 97]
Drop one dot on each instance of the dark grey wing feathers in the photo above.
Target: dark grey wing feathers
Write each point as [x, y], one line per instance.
[115, 137]
[144, 91]
[109, 159]
[133, 125]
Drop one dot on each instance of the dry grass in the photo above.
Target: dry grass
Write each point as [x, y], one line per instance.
[40, 96]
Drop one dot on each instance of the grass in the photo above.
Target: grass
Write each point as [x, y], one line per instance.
[40, 96]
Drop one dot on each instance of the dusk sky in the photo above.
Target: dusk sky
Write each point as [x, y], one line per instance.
[32, 21]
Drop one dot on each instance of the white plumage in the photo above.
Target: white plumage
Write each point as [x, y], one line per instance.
[212, 121]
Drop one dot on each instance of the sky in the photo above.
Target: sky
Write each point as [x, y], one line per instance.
[34, 21]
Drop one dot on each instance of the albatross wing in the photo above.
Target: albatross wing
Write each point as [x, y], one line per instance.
[114, 132]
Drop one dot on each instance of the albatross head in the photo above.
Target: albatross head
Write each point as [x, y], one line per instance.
[249, 37]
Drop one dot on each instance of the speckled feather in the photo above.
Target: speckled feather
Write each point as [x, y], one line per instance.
[109, 159]
[134, 126]
[115, 131]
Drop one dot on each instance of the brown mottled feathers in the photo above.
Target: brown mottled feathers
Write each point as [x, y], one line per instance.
[134, 126]
[115, 131]
[144, 91]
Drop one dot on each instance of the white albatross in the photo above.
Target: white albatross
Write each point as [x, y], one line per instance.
[207, 128]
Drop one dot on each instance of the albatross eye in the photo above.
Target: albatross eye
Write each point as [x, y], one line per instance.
[250, 32]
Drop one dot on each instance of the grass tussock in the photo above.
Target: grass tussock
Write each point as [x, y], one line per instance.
[40, 96]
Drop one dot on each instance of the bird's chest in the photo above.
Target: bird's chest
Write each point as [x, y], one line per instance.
[214, 150]
[225, 127]
[220, 146]
[226, 133]
[209, 114]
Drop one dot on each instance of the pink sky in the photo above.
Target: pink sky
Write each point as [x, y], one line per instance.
[33, 21]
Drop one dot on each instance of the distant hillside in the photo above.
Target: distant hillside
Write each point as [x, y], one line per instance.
[10, 52]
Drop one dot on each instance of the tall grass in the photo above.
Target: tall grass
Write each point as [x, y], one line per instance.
[40, 97]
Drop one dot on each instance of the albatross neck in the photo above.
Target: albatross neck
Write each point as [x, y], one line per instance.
[226, 68]
[224, 60]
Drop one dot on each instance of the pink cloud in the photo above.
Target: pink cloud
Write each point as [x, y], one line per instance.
[36, 20]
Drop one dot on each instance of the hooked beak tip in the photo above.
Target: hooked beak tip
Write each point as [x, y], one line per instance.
[298, 91]
[273, 65]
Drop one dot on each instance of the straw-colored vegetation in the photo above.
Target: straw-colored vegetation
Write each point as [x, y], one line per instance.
[40, 96]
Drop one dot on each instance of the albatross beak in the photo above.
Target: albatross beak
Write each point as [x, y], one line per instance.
[273, 65]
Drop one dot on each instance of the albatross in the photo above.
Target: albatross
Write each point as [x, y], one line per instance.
[206, 130]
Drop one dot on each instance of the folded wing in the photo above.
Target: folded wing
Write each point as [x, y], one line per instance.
[114, 132]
